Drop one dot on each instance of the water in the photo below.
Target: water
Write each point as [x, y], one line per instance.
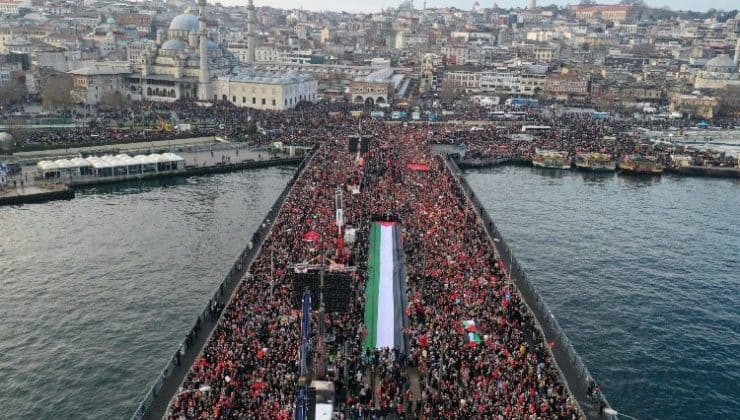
[96, 293]
[642, 274]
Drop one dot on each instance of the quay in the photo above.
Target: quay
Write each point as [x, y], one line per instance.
[200, 159]
[35, 194]
[697, 171]
[544, 336]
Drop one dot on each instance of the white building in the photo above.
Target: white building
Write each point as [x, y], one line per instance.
[4, 77]
[11, 7]
[501, 81]
[266, 90]
[91, 84]
[267, 54]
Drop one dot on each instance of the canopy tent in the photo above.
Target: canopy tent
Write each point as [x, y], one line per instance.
[108, 165]
[47, 169]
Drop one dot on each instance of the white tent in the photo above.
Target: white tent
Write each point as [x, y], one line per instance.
[47, 169]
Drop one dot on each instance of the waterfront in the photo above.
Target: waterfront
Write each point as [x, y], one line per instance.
[640, 272]
[97, 292]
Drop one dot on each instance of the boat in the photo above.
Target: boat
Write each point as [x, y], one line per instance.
[640, 165]
[551, 159]
[597, 162]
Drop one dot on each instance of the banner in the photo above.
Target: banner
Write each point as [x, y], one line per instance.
[384, 303]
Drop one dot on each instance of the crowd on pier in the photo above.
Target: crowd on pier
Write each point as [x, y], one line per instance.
[250, 365]
[572, 132]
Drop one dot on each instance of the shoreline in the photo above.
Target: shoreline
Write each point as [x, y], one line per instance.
[695, 171]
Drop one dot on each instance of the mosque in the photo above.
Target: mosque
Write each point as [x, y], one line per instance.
[718, 73]
[188, 64]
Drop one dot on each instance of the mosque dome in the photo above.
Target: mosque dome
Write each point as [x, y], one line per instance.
[721, 64]
[174, 44]
[111, 21]
[185, 22]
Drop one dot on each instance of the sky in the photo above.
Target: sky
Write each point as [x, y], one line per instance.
[376, 5]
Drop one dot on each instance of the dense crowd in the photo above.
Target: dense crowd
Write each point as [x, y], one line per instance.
[571, 132]
[251, 363]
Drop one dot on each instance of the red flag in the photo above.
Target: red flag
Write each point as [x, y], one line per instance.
[311, 236]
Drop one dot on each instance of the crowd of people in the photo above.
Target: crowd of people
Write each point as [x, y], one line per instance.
[571, 132]
[251, 363]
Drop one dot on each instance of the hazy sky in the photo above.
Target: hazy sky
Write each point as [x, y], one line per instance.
[376, 5]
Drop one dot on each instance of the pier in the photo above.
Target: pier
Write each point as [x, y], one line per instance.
[330, 168]
[201, 159]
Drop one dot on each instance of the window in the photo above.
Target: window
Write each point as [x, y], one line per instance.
[254, 100]
[233, 99]
[263, 101]
[273, 102]
[244, 100]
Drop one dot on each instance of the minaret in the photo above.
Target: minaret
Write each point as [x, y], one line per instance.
[204, 79]
[251, 44]
[532, 4]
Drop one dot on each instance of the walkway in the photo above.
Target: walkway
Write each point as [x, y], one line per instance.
[176, 376]
[571, 374]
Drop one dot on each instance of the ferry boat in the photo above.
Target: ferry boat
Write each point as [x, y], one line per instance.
[640, 165]
[597, 162]
[551, 159]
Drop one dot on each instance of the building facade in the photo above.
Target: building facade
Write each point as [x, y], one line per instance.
[266, 90]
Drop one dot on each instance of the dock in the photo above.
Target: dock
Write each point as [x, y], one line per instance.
[35, 194]
[40, 192]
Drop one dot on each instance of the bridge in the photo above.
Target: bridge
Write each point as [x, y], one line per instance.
[545, 339]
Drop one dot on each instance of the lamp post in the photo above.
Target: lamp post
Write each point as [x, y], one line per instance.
[614, 413]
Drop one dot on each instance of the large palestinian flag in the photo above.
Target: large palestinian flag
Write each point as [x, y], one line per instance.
[384, 317]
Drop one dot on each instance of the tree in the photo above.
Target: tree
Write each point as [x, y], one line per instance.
[16, 128]
[112, 100]
[729, 101]
[12, 94]
[450, 91]
[56, 91]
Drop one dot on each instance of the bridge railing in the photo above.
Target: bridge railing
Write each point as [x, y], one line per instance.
[544, 319]
[235, 273]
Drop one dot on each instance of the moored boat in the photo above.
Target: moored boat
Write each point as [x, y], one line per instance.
[640, 165]
[597, 162]
[551, 159]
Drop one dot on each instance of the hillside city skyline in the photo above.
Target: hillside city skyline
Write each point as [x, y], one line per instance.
[377, 5]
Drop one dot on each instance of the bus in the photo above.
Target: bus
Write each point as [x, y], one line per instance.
[535, 128]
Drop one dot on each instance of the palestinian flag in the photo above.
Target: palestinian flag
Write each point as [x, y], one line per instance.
[384, 301]
[469, 325]
[472, 339]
